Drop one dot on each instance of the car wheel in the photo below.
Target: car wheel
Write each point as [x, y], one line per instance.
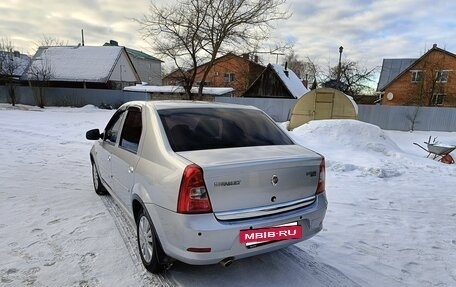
[148, 243]
[97, 185]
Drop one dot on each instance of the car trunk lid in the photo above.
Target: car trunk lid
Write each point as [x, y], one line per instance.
[239, 180]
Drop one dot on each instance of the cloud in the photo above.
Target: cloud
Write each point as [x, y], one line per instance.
[369, 30]
[25, 22]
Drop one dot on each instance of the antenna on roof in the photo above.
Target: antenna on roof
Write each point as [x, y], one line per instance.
[82, 34]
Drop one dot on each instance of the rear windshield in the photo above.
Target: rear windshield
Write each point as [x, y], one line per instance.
[213, 128]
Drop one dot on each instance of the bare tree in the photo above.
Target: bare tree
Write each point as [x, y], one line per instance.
[10, 63]
[39, 74]
[306, 69]
[355, 79]
[193, 31]
[49, 41]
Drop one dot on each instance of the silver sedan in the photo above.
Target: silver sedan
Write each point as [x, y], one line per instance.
[206, 182]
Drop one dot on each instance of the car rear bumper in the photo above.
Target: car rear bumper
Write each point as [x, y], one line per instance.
[178, 232]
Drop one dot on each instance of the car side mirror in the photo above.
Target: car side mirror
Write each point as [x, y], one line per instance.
[93, 134]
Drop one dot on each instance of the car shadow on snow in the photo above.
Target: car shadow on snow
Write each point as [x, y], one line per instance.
[291, 266]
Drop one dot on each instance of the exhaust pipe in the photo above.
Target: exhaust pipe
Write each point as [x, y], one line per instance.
[227, 261]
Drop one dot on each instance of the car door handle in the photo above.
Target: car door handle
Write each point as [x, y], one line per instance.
[130, 169]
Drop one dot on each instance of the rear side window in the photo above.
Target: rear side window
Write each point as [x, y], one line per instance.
[131, 131]
[212, 128]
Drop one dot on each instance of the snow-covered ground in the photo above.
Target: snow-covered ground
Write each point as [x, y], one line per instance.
[391, 219]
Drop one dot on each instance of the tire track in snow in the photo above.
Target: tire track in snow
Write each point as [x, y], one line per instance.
[128, 234]
[327, 274]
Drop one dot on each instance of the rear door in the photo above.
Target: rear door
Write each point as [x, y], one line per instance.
[125, 157]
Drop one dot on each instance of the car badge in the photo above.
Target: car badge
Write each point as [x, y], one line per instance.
[274, 180]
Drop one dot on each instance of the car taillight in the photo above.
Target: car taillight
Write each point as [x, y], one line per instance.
[193, 196]
[321, 179]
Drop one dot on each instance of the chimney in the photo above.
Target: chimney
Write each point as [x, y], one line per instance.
[434, 46]
[285, 70]
[256, 58]
[17, 54]
[113, 43]
[245, 56]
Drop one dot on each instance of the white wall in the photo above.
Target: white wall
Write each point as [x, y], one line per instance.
[123, 71]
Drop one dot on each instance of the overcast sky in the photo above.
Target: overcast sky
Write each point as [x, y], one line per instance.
[368, 30]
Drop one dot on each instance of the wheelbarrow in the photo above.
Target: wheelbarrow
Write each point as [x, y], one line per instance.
[438, 151]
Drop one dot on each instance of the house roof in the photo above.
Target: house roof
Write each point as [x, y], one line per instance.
[132, 52]
[290, 81]
[178, 89]
[20, 62]
[141, 55]
[79, 63]
[391, 68]
[394, 68]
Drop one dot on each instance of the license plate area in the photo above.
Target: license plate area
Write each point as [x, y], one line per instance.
[262, 236]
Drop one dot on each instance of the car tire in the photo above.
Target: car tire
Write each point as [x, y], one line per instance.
[97, 184]
[148, 244]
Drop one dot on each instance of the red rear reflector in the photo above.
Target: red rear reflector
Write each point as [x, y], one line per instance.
[322, 178]
[199, 250]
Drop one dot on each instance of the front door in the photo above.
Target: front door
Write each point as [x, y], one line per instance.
[107, 147]
[125, 158]
[324, 102]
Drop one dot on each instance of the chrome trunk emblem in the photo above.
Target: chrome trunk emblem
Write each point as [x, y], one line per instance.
[274, 180]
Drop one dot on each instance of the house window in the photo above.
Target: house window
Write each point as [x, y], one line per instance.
[437, 99]
[441, 76]
[228, 77]
[206, 83]
[417, 76]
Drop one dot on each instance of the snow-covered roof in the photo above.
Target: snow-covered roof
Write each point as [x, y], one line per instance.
[291, 81]
[78, 63]
[178, 89]
[19, 62]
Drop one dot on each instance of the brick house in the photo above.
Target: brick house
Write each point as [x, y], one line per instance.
[230, 70]
[427, 81]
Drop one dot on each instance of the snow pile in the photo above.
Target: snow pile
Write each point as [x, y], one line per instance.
[351, 145]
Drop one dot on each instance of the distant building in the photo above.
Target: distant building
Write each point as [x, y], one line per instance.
[230, 70]
[276, 82]
[427, 81]
[148, 67]
[12, 65]
[83, 67]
